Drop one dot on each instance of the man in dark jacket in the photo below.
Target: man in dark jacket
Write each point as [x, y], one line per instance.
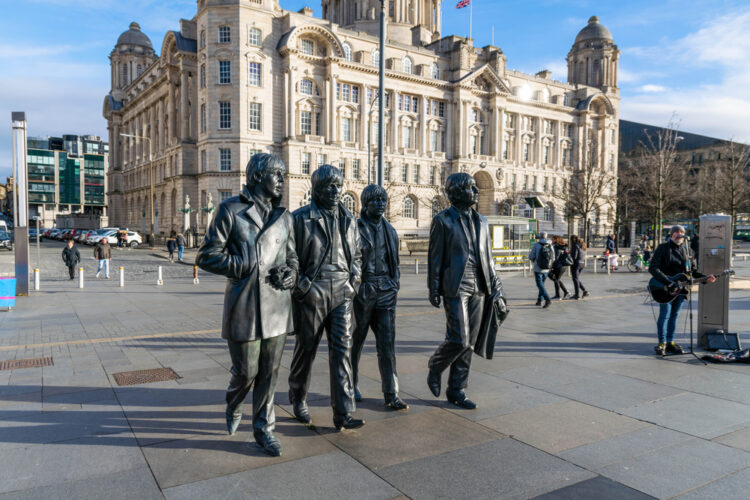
[103, 255]
[251, 242]
[71, 257]
[375, 304]
[329, 275]
[460, 269]
[671, 259]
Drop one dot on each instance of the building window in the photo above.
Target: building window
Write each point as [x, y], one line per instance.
[224, 34]
[387, 171]
[346, 129]
[224, 194]
[203, 117]
[348, 201]
[510, 120]
[225, 73]
[611, 162]
[475, 116]
[225, 159]
[347, 92]
[410, 209]
[526, 152]
[566, 155]
[355, 170]
[306, 87]
[433, 140]
[225, 115]
[307, 47]
[406, 136]
[405, 173]
[305, 123]
[253, 37]
[322, 160]
[416, 174]
[203, 161]
[407, 65]
[347, 52]
[546, 154]
[435, 71]
[376, 57]
[203, 76]
[253, 115]
[545, 184]
[306, 163]
[203, 39]
[611, 136]
[253, 71]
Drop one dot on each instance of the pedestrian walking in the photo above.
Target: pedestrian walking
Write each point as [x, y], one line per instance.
[542, 255]
[71, 257]
[120, 238]
[103, 254]
[180, 240]
[578, 254]
[612, 251]
[172, 245]
[562, 262]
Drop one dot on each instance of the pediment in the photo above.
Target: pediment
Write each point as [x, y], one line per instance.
[484, 79]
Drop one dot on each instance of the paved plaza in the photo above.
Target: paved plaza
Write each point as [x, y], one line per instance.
[574, 405]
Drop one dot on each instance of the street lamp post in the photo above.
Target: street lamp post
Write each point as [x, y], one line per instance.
[369, 141]
[381, 93]
[151, 182]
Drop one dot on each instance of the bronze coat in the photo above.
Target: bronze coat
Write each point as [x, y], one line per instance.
[239, 246]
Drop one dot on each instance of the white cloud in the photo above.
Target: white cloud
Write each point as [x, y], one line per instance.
[651, 88]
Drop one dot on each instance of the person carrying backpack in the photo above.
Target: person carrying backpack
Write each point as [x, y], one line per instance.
[542, 256]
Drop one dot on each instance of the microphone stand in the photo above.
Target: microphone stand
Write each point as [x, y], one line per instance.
[690, 301]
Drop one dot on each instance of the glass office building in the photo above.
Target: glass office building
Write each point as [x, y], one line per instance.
[66, 176]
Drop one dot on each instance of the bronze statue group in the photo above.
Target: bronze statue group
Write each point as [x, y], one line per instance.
[321, 269]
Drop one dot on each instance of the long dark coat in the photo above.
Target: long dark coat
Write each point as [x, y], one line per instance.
[239, 246]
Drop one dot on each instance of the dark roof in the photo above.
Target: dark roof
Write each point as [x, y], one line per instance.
[134, 36]
[633, 133]
[185, 44]
[594, 30]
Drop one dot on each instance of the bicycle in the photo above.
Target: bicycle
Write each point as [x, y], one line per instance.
[636, 262]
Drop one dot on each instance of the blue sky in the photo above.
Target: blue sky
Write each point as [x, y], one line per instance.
[690, 57]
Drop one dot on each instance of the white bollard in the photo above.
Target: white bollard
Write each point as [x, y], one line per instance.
[36, 279]
[416, 266]
[159, 281]
[122, 276]
[80, 277]
[195, 275]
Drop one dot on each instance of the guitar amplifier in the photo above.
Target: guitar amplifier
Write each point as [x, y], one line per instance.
[720, 340]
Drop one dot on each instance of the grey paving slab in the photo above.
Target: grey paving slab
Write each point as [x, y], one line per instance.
[737, 439]
[616, 449]
[598, 487]
[715, 383]
[562, 426]
[332, 475]
[502, 468]
[669, 471]
[52, 464]
[184, 461]
[694, 414]
[410, 436]
[730, 487]
[135, 484]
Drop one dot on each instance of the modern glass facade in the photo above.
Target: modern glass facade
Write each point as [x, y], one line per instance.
[93, 179]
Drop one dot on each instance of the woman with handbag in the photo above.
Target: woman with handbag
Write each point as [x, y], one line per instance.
[578, 254]
[562, 261]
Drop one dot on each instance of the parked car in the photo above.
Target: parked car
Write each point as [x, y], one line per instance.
[132, 239]
[110, 234]
[5, 240]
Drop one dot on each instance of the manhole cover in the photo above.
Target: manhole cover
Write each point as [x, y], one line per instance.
[145, 376]
[15, 364]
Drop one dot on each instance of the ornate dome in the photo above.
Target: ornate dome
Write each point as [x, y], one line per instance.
[594, 30]
[134, 36]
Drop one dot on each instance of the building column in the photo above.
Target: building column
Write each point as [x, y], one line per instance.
[184, 113]
[364, 116]
[423, 145]
[171, 111]
[450, 132]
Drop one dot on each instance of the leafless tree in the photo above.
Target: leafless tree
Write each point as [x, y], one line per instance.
[732, 179]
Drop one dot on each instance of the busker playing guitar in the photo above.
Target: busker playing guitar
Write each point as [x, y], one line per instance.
[671, 259]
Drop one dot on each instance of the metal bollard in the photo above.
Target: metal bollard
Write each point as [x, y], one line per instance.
[122, 276]
[416, 266]
[596, 263]
[195, 275]
[609, 266]
[36, 279]
[159, 281]
[80, 277]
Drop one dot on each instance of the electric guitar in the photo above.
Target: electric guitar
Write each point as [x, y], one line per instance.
[662, 293]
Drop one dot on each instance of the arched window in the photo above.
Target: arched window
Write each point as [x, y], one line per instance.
[253, 37]
[347, 51]
[410, 209]
[549, 212]
[407, 64]
[124, 75]
[435, 71]
[348, 201]
[306, 87]
[376, 57]
[306, 199]
[138, 70]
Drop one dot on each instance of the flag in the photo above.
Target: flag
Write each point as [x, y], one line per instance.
[463, 3]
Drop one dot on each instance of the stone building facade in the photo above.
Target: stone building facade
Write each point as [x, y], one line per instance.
[246, 76]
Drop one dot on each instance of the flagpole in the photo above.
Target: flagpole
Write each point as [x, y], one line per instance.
[471, 15]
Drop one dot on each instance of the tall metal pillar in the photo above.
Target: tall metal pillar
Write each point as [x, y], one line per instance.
[20, 203]
[381, 95]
